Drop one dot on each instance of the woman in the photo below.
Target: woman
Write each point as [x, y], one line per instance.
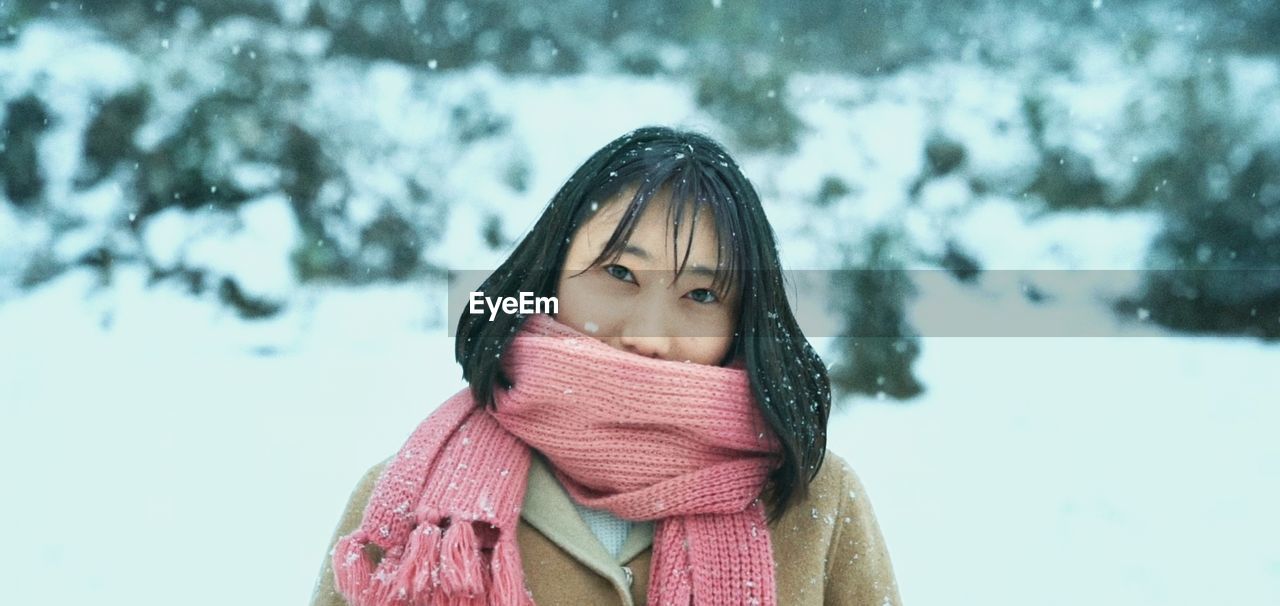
[661, 438]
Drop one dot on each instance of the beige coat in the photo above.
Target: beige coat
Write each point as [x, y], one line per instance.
[827, 549]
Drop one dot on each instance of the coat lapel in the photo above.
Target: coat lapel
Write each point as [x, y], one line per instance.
[548, 508]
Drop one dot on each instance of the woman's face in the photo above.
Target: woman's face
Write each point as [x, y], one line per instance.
[636, 304]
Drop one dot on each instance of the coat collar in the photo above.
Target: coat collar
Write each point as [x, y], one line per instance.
[548, 508]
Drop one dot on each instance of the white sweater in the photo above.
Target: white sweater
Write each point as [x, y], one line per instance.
[610, 529]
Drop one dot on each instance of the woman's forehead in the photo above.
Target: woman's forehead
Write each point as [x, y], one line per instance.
[657, 223]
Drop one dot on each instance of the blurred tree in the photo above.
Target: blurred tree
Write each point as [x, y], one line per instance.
[213, 10]
[1216, 266]
[25, 120]
[1065, 178]
[1249, 25]
[248, 306]
[878, 346]
[192, 167]
[752, 103]
[390, 246]
[108, 140]
[942, 155]
[513, 36]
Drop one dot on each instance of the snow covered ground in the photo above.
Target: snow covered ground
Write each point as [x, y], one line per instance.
[155, 447]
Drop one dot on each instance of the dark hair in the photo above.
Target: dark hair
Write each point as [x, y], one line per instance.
[788, 379]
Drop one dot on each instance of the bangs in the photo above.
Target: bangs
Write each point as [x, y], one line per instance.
[691, 186]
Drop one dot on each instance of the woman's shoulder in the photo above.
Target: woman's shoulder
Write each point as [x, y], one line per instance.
[858, 565]
[834, 501]
[835, 471]
[364, 486]
[841, 489]
[324, 593]
[823, 499]
[836, 514]
[836, 482]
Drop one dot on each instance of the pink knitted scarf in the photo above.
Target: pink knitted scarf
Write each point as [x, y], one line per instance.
[645, 439]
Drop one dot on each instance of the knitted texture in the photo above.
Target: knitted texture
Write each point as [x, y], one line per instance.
[679, 443]
[609, 529]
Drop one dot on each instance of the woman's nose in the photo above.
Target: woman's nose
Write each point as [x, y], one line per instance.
[649, 347]
[645, 334]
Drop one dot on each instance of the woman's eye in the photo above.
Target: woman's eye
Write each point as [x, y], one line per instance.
[703, 295]
[619, 272]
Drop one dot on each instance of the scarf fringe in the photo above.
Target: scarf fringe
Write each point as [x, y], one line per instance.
[382, 591]
[353, 573]
[439, 566]
[418, 573]
[461, 572]
[508, 578]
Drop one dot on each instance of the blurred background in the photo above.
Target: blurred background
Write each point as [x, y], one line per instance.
[226, 228]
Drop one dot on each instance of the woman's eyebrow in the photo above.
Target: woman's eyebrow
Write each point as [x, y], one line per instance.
[637, 251]
[702, 270]
[697, 269]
